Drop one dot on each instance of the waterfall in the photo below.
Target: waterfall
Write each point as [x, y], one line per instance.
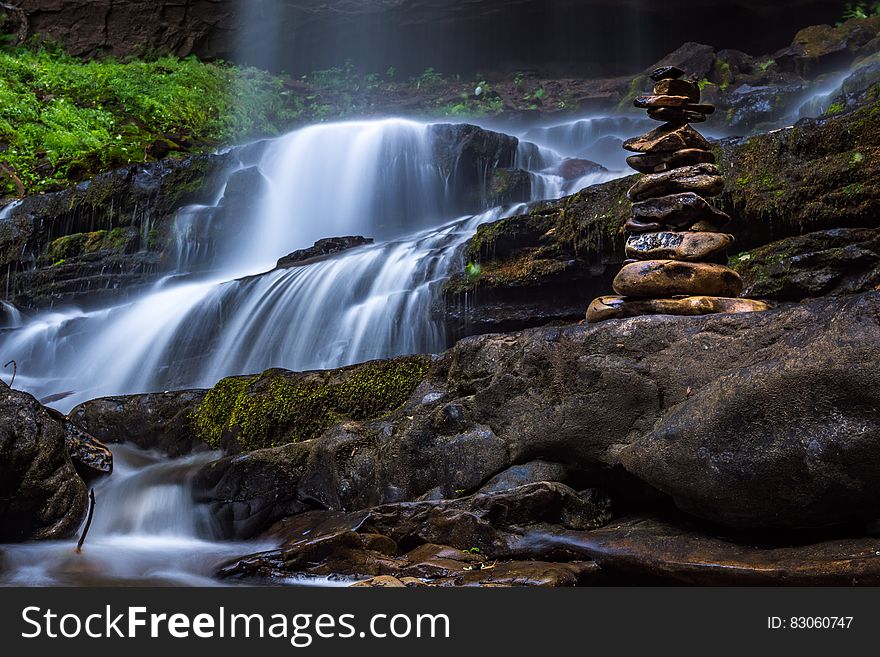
[381, 179]
[146, 529]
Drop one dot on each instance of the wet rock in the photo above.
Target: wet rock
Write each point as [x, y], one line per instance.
[246, 494]
[90, 457]
[91, 243]
[465, 153]
[508, 186]
[675, 87]
[679, 210]
[690, 246]
[832, 262]
[824, 49]
[781, 444]
[648, 102]
[667, 138]
[160, 421]
[381, 582]
[527, 573]
[658, 162]
[528, 473]
[574, 168]
[667, 278]
[610, 307]
[666, 73]
[650, 550]
[702, 179]
[41, 495]
[321, 250]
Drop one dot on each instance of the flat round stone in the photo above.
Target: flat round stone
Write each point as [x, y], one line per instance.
[678, 210]
[667, 138]
[666, 73]
[644, 102]
[614, 307]
[660, 162]
[669, 278]
[689, 246]
[702, 179]
[669, 87]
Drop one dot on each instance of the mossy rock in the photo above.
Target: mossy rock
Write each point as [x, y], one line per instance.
[280, 407]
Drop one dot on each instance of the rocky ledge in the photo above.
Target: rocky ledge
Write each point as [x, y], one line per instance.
[735, 449]
[804, 204]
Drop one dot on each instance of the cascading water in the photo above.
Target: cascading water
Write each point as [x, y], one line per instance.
[377, 178]
[218, 313]
[146, 529]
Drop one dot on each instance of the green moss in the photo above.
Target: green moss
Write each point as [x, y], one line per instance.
[636, 88]
[275, 408]
[834, 108]
[78, 244]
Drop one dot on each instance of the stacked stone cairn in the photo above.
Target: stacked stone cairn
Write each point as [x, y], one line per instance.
[677, 250]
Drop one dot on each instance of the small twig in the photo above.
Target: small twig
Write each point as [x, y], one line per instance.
[14, 370]
[82, 538]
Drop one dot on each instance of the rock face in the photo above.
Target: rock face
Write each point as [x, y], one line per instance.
[104, 237]
[416, 33]
[829, 262]
[41, 495]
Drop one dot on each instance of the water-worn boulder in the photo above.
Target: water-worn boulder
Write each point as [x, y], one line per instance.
[792, 443]
[159, 421]
[41, 495]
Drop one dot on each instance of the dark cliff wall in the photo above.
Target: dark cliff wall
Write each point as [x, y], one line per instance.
[590, 37]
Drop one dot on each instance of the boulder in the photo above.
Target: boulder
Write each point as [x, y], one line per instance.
[574, 168]
[155, 421]
[41, 494]
[90, 457]
[782, 444]
[667, 278]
